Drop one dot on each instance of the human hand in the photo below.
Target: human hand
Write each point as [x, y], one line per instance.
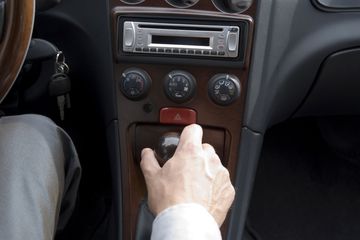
[193, 175]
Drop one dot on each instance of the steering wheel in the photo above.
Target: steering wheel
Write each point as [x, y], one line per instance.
[17, 22]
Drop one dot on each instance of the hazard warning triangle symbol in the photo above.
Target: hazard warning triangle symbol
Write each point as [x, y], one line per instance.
[178, 117]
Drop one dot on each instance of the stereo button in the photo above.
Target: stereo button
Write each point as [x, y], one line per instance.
[128, 37]
[232, 42]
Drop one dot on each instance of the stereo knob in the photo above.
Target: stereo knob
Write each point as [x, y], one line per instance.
[135, 83]
[224, 89]
[179, 86]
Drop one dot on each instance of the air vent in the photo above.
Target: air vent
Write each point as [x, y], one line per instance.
[182, 3]
[132, 2]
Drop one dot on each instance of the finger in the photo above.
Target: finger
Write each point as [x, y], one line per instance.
[211, 154]
[212, 162]
[191, 138]
[208, 148]
[149, 165]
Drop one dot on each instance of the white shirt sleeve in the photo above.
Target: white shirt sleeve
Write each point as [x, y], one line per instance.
[188, 221]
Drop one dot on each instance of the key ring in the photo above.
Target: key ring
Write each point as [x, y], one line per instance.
[62, 68]
[60, 64]
[60, 55]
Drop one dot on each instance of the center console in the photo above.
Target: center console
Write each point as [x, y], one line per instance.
[177, 63]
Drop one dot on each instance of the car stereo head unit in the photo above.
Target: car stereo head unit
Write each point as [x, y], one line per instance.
[181, 39]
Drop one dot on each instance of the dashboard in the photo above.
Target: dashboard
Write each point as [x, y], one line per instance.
[237, 68]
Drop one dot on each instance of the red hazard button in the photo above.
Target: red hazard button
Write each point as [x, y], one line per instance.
[183, 116]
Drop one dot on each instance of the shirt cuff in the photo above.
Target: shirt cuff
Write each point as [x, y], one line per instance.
[185, 221]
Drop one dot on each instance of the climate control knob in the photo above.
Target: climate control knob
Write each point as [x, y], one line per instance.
[135, 83]
[179, 86]
[224, 89]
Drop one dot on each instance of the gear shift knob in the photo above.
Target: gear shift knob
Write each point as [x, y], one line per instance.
[166, 147]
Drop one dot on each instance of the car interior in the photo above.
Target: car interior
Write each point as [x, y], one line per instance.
[275, 84]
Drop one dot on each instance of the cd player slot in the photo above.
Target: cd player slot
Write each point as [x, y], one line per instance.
[173, 27]
[174, 40]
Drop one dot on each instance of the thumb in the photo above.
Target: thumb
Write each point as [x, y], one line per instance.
[149, 165]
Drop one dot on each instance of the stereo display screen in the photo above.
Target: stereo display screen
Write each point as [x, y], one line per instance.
[174, 40]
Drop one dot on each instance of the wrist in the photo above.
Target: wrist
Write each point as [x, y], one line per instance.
[186, 218]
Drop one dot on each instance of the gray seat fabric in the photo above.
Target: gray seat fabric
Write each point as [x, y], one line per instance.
[39, 177]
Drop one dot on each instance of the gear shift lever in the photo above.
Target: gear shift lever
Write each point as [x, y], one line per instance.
[166, 147]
